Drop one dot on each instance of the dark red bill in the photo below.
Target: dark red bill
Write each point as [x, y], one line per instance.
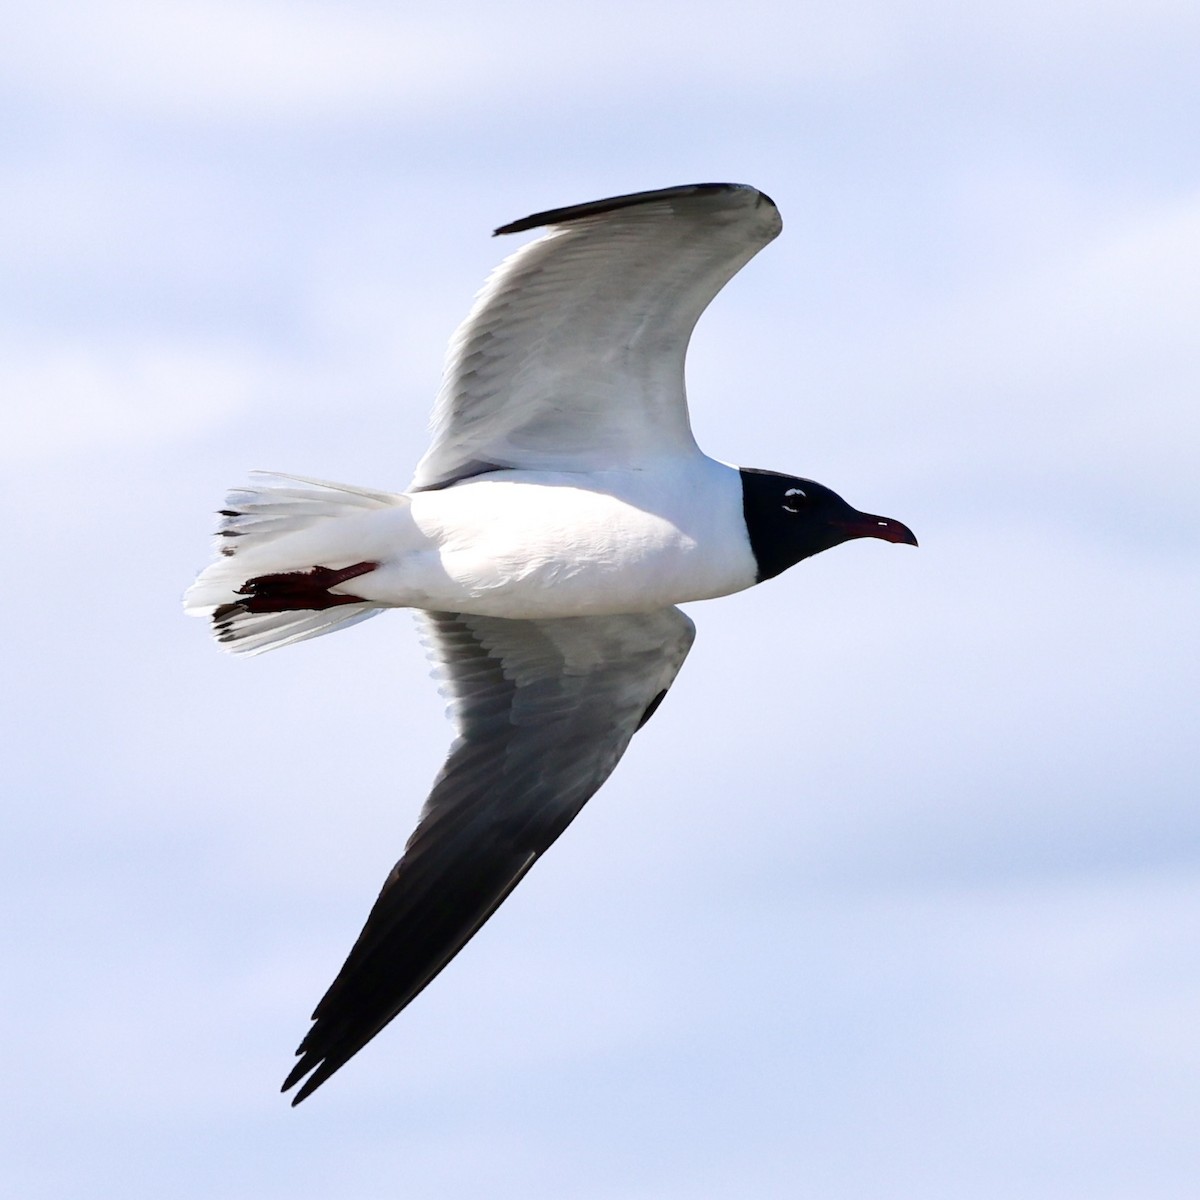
[865, 525]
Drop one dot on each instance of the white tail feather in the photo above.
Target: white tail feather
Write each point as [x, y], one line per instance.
[241, 632]
[264, 511]
[251, 536]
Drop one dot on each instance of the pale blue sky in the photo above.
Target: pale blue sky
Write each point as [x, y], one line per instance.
[898, 895]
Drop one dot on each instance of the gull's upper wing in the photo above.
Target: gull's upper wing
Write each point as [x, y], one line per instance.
[544, 711]
[572, 357]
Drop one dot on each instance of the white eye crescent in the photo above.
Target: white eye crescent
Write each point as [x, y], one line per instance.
[793, 499]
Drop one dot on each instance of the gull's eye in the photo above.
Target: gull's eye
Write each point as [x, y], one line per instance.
[795, 500]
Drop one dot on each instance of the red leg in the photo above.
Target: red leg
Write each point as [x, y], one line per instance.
[295, 590]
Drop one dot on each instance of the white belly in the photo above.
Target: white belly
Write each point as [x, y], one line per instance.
[507, 546]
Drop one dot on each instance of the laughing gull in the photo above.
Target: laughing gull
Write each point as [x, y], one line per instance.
[560, 514]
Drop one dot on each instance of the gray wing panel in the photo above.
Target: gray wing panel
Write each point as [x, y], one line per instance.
[572, 357]
[545, 709]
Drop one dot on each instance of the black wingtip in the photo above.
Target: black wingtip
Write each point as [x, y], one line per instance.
[577, 212]
[296, 1074]
[320, 1073]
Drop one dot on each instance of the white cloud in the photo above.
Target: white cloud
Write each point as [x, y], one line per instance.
[64, 398]
[252, 60]
[1026, 31]
[264, 60]
[1075, 365]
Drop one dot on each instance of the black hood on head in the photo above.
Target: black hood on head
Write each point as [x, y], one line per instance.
[788, 519]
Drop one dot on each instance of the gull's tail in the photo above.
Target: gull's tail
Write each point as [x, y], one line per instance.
[284, 541]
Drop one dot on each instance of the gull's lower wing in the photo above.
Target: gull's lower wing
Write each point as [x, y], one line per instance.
[572, 357]
[544, 710]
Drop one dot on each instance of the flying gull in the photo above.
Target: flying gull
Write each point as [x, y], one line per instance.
[560, 514]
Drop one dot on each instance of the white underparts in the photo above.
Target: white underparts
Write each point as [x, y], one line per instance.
[521, 545]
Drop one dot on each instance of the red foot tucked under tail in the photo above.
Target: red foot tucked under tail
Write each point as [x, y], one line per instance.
[293, 591]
